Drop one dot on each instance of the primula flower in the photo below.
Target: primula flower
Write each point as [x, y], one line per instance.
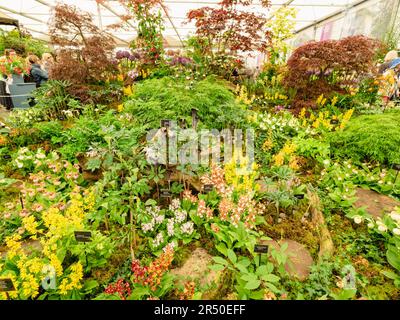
[170, 227]
[357, 219]
[158, 240]
[395, 216]
[187, 227]
[175, 205]
[180, 216]
[148, 227]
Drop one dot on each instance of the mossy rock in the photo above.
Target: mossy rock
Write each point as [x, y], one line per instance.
[299, 260]
[195, 269]
[376, 204]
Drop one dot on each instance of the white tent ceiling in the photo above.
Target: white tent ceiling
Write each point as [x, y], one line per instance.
[34, 14]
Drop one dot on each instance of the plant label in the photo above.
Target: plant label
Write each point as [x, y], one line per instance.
[261, 248]
[396, 166]
[165, 193]
[83, 236]
[195, 118]
[208, 188]
[6, 285]
[334, 121]
[183, 123]
[165, 123]
[299, 196]
[7, 156]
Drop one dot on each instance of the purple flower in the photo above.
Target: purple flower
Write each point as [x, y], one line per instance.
[180, 61]
[279, 109]
[121, 54]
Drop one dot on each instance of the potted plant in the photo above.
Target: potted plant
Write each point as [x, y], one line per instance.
[15, 66]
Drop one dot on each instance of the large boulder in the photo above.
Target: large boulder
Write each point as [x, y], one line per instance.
[299, 259]
[196, 269]
[376, 204]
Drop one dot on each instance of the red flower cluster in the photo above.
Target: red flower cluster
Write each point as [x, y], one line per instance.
[121, 287]
[152, 274]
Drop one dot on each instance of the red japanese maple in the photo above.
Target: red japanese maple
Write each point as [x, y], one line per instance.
[329, 67]
[231, 27]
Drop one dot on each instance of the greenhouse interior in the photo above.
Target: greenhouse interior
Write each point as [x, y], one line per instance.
[199, 150]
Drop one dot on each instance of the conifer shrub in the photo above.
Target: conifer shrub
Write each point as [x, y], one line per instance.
[374, 138]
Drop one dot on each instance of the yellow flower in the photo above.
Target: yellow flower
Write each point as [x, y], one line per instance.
[128, 91]
[268, 144]
[120, 108]
[240, 173]
[289, 148]
[334, 101]
[293, 163]
[73, 280]
[55, 262]
[30, 224]
[279, 159]
[13, 245]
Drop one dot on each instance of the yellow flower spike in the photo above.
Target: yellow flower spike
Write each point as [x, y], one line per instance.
[303, 113]
[127, 91]
[120, 108]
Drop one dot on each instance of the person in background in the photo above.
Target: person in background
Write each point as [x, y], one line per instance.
[5, 81]
[47, 61]
[38, 74]
[390, 82]
[390, 56]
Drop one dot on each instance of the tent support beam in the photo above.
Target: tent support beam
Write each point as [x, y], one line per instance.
[172, 23]
[333, 15]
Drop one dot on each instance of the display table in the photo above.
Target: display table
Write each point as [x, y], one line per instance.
[21, 92]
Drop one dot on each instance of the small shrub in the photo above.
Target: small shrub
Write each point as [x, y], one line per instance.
[172, 99]
[370, 138]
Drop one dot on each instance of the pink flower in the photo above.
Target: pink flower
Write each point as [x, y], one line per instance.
[24, 213]
[37, 207]
[7, 215]
[9, 205]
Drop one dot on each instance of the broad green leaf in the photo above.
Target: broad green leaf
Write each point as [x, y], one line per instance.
[253, 284]
[257, 295]
[249, 277]
[220, 260]
[393, 257]
[221, 247]
[232, 256]
[245, 262]
[217, 267]
[270, 278]
[262, 270]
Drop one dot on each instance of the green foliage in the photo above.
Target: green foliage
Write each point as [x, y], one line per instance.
[373, 138]
[22, 44]
[167, 98]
